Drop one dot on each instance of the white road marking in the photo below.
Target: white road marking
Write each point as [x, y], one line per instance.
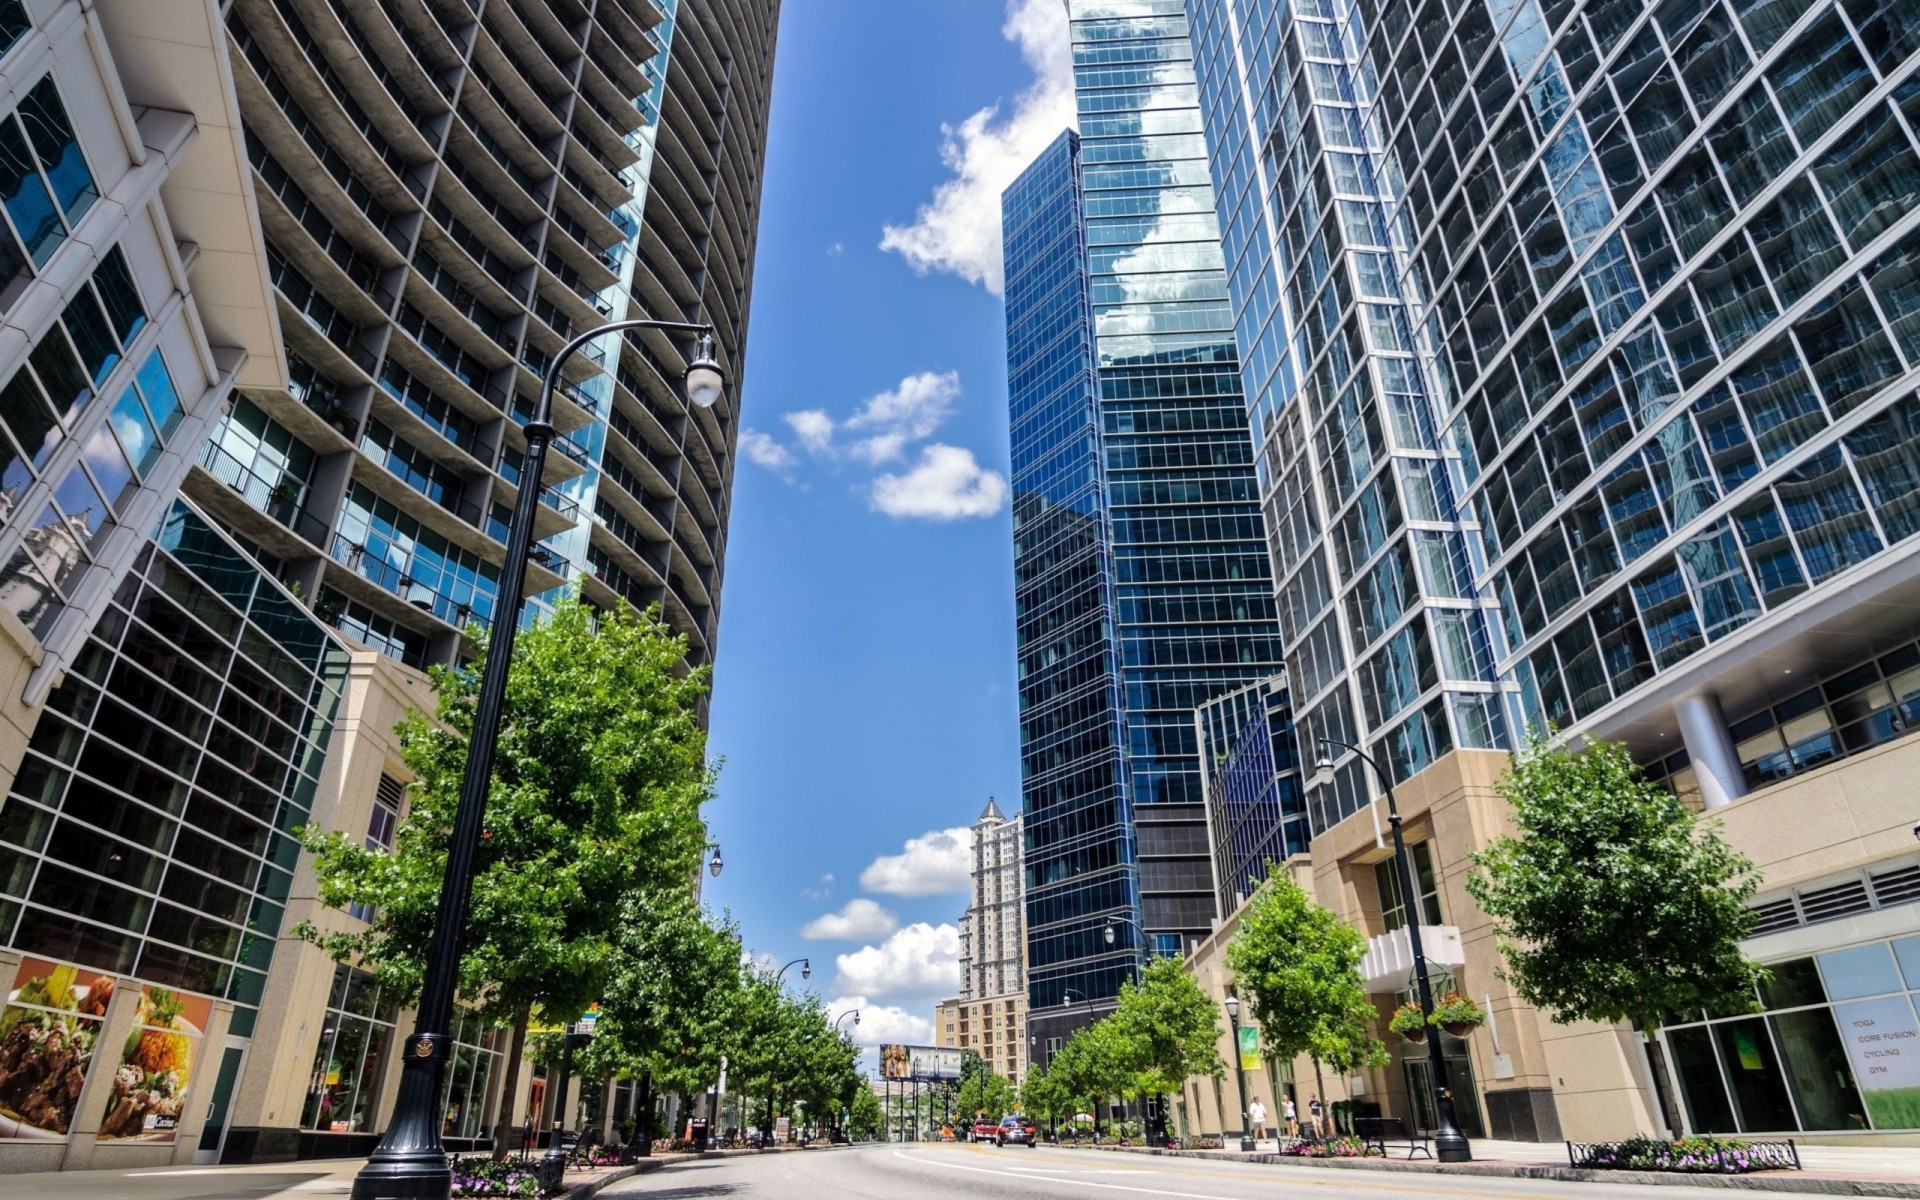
[1085, 1183]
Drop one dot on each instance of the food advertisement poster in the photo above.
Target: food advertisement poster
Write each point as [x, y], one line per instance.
[48, 1033]
[156, 1065]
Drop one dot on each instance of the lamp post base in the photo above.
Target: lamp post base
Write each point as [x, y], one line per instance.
[421, 1178]
[1451, 1146]
[1246, 1144]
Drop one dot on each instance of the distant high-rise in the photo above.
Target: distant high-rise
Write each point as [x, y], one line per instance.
[989, 1014]
[450, 191]
[992, 948]
[1140, 560]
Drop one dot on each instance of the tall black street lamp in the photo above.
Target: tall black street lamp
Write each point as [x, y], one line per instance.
[556, 1149]
[411, 1163]
[1239, 1072]
[1449, 1142]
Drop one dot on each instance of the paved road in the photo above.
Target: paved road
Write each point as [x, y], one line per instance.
[1045, 1173]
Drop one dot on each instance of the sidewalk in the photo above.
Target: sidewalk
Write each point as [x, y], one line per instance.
[287, 1181]
[1827, 1170]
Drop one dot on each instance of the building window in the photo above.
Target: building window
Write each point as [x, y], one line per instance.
[477, 1051]
[1854, 710]
[1386, 876]
[44, 182]
[349, 1057]
[381, 826]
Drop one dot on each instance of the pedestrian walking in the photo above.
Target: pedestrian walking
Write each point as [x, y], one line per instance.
[1293, 1117]
[1314, 1112]
[1257, 1114]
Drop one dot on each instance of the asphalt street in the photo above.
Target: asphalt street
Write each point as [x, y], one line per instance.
[905, 1172]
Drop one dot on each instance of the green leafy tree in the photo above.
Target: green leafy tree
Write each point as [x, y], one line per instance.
[1615, 903]
[982, 1092]
[1168, 1029]
[597, 786]
[1093, 1067]
[1298, 968]
[673, 991]
[867, 1122]
[1043, 1097]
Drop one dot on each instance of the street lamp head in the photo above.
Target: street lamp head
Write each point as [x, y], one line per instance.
[806, 969]
[714, 864]
[1323, 759]
[1233, 1006]
[856, 1016]
[705, 379]
[1107, 933]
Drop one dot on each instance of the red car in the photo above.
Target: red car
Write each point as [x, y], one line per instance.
[983, 1129]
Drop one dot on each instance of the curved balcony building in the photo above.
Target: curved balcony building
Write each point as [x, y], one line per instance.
[450, 190]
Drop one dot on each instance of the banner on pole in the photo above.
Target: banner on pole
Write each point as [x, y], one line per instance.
[1249, 1049]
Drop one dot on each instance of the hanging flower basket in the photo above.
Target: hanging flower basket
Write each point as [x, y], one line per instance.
[1458, 1015]
[1409, 1022]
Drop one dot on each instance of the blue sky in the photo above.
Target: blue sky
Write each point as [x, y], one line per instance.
[864, 692]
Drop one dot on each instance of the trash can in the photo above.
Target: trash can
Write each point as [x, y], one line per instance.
[699, 1135]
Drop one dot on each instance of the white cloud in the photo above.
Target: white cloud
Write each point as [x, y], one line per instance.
[860, 919]
[821, 892]
[913, 410]
[813, 427]
[836, 250]
[946, 484]
[919, 961]
[762, 449]
[882, 1023]
[937, 863]
[958, 231]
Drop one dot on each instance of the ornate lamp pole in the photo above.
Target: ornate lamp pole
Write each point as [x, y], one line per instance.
[410, 1162]
[1239, 1072]
[1450, 1144]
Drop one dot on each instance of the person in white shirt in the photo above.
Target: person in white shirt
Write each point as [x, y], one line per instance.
[1257, 1113]
[1293, 1117]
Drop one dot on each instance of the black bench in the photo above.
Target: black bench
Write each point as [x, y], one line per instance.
[1374, 1132]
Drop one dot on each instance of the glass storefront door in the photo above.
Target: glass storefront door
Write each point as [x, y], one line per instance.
[221, 1103]
[1466, 1096]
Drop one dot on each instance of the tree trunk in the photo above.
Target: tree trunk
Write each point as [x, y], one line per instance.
[1326, 1109]
[516, 1046]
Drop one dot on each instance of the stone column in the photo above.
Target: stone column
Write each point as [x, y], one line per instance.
[1716, 765]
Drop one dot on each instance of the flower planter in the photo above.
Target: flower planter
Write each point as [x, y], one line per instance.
[1460, 1029]
[1415, 1035]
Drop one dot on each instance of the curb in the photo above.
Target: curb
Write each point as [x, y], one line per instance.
[1765, 1182]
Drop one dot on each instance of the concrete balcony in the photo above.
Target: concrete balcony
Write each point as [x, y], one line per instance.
[1388, 964]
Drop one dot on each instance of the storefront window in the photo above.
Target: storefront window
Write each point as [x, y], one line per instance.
[347, 1061]
[1838, 1048]
[470, 1075]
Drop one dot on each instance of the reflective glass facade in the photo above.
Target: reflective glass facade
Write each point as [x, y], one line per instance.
[149, 829]
[1579, 336]
[1134, 445]
[1256, 806]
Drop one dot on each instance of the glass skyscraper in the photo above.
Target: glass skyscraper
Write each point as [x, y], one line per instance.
[1140, 560]
[1582, 341]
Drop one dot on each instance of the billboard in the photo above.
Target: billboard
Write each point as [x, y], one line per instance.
[919, 1064]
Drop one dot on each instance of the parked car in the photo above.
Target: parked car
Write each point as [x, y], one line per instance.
[984, 1129]
[1014, 1129]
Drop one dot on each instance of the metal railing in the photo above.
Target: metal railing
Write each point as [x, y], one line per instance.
[1703, 1156]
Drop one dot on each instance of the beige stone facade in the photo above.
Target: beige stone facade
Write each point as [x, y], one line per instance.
[994, 1027]
[1846, 830]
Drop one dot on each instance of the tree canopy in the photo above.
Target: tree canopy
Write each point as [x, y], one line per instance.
[1615, 903]
[1166, 1029]
[1297, 967]
[983, 1092]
